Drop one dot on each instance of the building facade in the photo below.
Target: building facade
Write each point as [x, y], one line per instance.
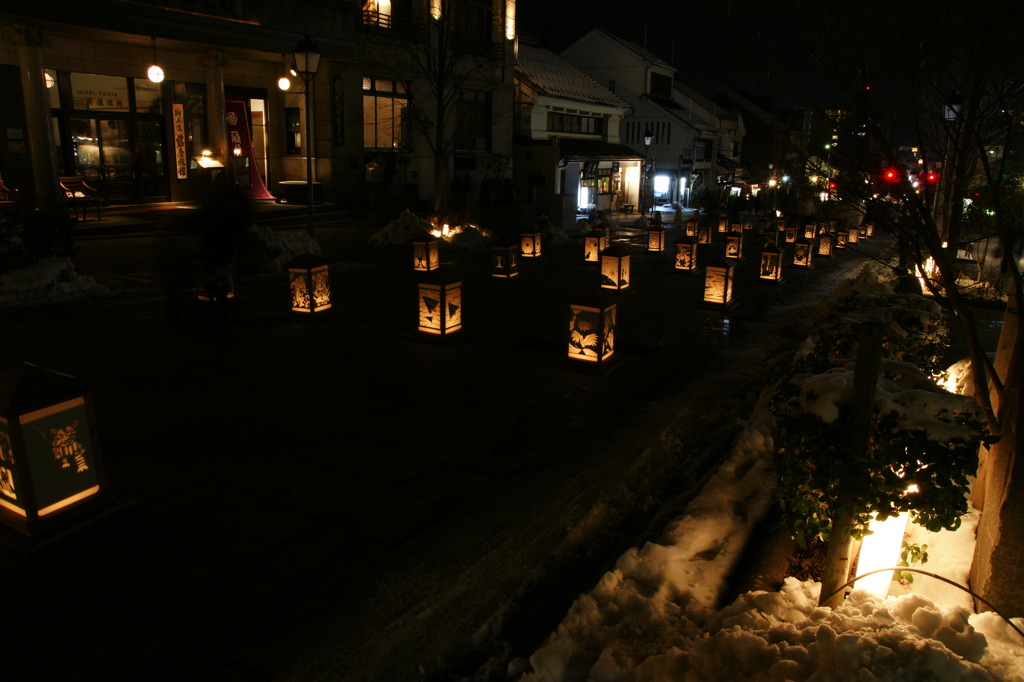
[385, 125]
[567, 150]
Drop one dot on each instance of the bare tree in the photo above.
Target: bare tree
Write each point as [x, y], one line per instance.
[934, 99]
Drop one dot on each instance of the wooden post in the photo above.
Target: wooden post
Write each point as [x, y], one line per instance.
[862, 397]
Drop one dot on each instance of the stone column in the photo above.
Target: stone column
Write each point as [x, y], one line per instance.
[29, 40]
[216, 107]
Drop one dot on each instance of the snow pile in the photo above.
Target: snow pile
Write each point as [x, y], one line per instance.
[901, 388]
[51, 280]
[264, 250]
[401, 230]
[653, 616]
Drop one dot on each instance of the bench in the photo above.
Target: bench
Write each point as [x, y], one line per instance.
[79, 193]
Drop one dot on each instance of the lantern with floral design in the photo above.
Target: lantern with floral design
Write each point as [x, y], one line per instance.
[594, 242]
[771, 264]
[51, 472]
[656, 238]
[439, 305]
[531, 245]
[686, 254]
[703, 233]
[719, 276]
[505, 259]
[615, 269]
[803, 253]
[592, 327]
[825, 245]
[425, 256]
[309, 280]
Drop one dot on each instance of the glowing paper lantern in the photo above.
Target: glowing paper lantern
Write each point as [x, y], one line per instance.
[723, 225]
[686, 254]
[825, 245]
[703, 233]
[771, 264]
[734, 247]
[615, 268]
[50, 466]
[591, 339]
[425, 256]
[869, 230]
[309, 279]
[841, 238]
[790, 232]
[719, 276]
[736, 228]
[803, 253]
[691, 228]
[656, 238]
[810, 232]
[505, 260]
[853, 235]
[439, 305]
[594, 242]
[531, 245]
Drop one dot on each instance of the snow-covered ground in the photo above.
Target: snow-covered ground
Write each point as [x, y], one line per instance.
[655, 616]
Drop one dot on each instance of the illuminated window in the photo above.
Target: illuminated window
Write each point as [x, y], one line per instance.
[384, 104]
[377, 13]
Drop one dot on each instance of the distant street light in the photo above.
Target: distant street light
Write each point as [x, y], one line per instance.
[307, 61]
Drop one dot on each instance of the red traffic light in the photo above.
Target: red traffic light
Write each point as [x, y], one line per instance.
[932, 176]
[831, 185]
[889, 175]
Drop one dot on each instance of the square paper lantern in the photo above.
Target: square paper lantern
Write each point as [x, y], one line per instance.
[853, 235]
[719, 276]
[656, 238]
[810, 232]
[790, 234]
[803, 253]
[841, 239]
[531, 245]
[615, 269]
[439, 305]
[425, 255]
[703, 233]
[869, 230]
[736, 228]
[825, 245]
[749, 225]
[505, 260]
[309, 279]
[594, 242]
[592, 327]
[686, 254]
[734, 247]
[50, 466]
[771, 264]
[214, 285]
[723, 225]
[691, 228]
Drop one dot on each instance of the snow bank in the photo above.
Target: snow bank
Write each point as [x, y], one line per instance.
[264, 250]
[51, 280]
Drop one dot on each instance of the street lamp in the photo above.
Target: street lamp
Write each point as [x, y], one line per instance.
[307, 61]
[648, 138]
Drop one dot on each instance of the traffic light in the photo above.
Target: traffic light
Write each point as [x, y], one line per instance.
[931, 177]
[889, 174]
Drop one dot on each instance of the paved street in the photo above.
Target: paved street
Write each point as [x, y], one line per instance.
[341, 500]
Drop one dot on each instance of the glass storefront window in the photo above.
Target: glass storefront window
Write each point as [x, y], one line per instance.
[92, 92]
[147, 97]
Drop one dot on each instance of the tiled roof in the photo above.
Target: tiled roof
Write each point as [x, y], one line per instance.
[555, 77]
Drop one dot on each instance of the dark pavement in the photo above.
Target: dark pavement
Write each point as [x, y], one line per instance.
[340, 500]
